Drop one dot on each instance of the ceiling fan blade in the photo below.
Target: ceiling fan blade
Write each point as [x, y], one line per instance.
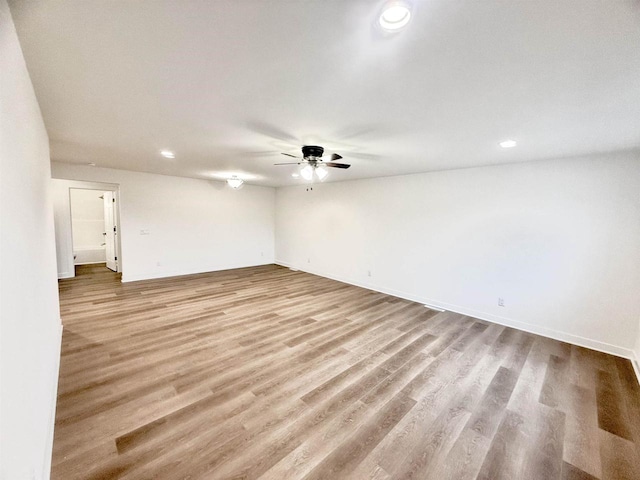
[336, 165]
[289, 155]
[335, 156]
[289, 163]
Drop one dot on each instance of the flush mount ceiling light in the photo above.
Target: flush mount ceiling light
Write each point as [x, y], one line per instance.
[167, 154]
[395, 16]
[91, 164]
[295, 175]
[508, 144]
[235, 182]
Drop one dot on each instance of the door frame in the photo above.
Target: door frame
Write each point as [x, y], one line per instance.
[111, 233]
[99, 187]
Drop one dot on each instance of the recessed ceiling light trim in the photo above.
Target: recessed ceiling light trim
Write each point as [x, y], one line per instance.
[167, 154]
[508, 143]
[395, 16]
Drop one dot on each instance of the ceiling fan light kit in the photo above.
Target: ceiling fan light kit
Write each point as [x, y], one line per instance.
[314, 164]
[321, 172]
[307, 172]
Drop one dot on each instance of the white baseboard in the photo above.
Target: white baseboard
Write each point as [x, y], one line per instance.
[46, 471]
[527, 327]
[178, 273]
[66, 275]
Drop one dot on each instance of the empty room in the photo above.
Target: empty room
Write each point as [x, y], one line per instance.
[320, 239]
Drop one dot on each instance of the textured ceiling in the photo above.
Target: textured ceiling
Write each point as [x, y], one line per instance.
[228, 85]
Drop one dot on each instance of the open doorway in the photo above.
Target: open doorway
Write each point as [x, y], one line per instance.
[94, 227]
[87, 225]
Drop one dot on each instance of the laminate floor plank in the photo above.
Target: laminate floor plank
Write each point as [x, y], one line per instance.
[569, 472]
[582, 442]
[267, 373]
[612, 415]
[619, 458]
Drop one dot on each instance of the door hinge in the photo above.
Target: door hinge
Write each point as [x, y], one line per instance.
[113, 200]
[116, 258]
[114, 229]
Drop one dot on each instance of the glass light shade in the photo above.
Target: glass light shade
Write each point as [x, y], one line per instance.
[321, 172]
[235, 182]
[307, 172]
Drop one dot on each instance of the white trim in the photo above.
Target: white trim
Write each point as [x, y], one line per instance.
[433, 307]
[635, 361]
[65, 275]
[180, 273]
[98, 187]
[89, 263]
[527, 327]
[46, 469]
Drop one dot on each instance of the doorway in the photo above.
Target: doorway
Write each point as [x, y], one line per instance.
[94, 228]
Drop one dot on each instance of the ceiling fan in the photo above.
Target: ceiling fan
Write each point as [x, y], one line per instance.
[312, 159]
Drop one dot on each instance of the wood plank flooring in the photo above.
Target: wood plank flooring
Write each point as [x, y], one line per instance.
[273, 374]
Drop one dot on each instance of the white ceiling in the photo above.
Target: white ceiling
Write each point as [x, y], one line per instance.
[229, 84]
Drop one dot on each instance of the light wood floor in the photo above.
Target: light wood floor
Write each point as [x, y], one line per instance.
[273, 374]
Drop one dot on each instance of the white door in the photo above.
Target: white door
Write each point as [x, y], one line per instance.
[110, 232]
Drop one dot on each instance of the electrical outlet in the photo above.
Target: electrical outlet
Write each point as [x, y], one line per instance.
[308, 260]
[262, 254]
[500, 302]
[158, 264]
[368, 273]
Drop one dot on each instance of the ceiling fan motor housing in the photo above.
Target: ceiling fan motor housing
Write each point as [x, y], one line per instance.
[312, 151]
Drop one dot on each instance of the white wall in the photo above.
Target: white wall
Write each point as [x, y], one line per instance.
[29, 311]
[558, 240]
[87, 215]
[193, 225]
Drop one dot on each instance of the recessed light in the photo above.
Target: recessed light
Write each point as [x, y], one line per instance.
[508, 144]
[91, 164]
[167, 154]
[394, 16]
[295, 175]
